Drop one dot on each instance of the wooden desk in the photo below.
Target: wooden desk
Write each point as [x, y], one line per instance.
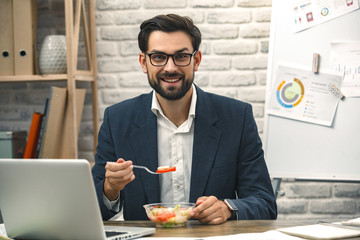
[196, 229]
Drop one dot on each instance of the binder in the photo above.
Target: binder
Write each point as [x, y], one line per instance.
[33, 138]
[6, 38]
[24, 29]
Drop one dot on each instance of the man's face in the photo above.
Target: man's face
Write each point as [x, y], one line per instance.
[170, 81]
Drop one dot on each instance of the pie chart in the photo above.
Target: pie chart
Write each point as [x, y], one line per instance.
[290, 94]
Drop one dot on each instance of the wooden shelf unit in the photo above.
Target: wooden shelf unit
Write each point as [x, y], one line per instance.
[73, 19]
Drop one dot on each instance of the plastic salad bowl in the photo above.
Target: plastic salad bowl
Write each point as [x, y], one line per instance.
[169, 214]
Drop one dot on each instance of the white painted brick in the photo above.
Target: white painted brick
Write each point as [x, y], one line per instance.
[133, 80]
[104, 18]
[118, 65]
[255, 30]
[254, 3]
[234, 47]
[253, 94]
[232, 79]
[261, 76]
[205, 47]
[201, 79]
[260, 124]
[113, 96]
[230, 16]
[264, 46]
[258, 110]
[247, 62]
[116, 4]
[128, 48]
[106, 49]
[227, 92]
[119, 33]
[133, 17]
[219, 31]
[108, 81]
[212, 3]
[158, 4]
[262, 14]
[215, 63]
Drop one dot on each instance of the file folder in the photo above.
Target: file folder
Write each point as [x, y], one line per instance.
[24, 29]
[6, 38]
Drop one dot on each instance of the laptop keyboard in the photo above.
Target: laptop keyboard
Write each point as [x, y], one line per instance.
[113, 233]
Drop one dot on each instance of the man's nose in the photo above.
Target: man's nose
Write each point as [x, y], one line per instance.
[170, 65]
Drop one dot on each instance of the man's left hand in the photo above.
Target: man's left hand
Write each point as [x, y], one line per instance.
[211, 210]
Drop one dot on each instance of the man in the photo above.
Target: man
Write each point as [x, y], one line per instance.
[212, 140]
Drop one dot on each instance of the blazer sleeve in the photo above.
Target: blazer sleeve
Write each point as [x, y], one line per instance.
[256, 198]
[104, 152]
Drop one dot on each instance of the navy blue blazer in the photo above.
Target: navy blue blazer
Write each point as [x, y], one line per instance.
[228, 160]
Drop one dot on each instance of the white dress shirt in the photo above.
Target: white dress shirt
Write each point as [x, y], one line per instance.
[175, 147]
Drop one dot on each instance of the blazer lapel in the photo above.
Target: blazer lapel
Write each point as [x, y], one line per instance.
[206, 141]
[144, 142]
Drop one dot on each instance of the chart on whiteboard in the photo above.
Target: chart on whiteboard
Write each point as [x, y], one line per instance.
[302, 95]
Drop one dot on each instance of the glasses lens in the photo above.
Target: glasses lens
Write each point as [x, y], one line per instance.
[158, 59]
[182, 59]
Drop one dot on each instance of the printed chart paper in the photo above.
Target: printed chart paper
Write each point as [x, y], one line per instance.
[302, 95]
[345, 59]
[308, 13]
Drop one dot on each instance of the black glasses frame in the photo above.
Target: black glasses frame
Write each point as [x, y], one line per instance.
[172, 56]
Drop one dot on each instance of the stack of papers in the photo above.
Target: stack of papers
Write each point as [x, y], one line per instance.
[324, 231]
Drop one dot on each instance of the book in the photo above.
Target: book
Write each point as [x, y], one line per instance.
[33, 137]
[42, 129]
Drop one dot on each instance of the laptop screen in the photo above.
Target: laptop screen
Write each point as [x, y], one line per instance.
[52, 198]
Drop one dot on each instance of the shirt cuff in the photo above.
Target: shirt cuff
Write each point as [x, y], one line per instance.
[112, 205]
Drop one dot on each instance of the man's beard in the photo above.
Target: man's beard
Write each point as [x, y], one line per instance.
[171, 93]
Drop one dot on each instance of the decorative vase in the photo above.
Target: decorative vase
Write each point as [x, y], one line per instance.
[52, 59]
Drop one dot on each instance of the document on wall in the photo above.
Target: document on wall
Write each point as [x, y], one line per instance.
[309, 13]
[302, 95]
[345, 59]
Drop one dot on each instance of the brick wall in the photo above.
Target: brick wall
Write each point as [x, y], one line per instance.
[235, 51]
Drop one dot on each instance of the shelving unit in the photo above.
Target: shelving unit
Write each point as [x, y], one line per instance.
[73, 19]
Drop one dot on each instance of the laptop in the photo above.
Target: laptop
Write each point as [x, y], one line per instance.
[54, 199]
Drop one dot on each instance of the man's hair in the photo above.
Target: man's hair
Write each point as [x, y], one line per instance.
[168, 23]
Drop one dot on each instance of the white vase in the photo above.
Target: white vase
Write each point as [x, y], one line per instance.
[52, 59]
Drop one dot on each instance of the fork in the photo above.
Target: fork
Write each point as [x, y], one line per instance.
[142, 167]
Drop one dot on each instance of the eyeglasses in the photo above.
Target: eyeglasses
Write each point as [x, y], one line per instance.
[179, 59]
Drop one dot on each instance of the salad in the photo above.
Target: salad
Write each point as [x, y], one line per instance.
[169, 216]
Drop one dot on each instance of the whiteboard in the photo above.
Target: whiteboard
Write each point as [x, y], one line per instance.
[301, 150]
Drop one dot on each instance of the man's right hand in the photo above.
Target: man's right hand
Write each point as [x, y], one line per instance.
[117, 175]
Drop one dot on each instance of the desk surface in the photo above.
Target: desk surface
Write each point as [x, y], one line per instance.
[196, 229]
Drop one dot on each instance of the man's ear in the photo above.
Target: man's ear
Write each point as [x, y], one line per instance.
[142, 61]
[197, 59]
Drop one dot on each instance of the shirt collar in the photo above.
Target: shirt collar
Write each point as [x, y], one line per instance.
[155, 106]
